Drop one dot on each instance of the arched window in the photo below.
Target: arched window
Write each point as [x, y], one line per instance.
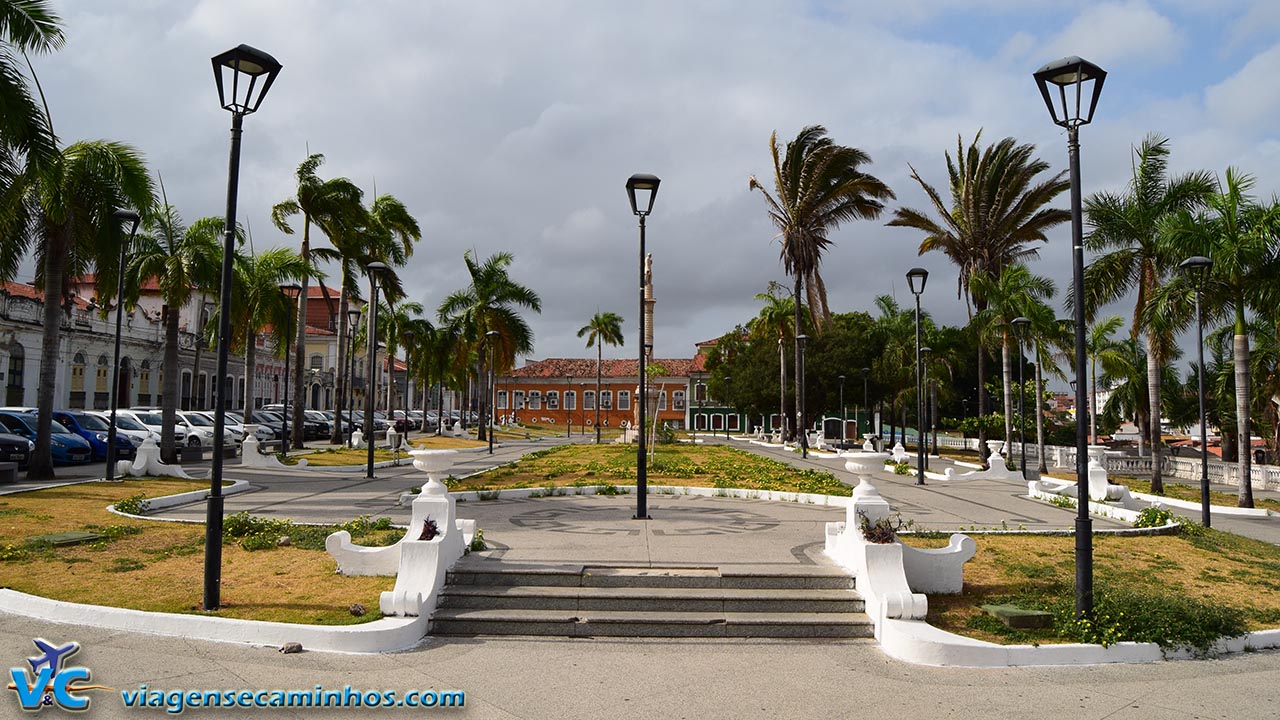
[77, 381]
[14, 390]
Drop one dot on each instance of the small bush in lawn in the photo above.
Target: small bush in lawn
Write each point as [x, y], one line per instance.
[1153, 516]
[133, 505]
[902, 468]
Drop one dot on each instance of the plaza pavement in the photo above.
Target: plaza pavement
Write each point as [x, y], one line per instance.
[593, 678]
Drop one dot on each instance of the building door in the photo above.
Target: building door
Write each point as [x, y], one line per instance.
[14, 390]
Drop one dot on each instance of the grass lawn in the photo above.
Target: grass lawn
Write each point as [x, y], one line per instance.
[359, 456]
[1146, 588]
[157, 566]
[612, 464]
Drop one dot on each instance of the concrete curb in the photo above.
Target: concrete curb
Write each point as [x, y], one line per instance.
[385, 635]
[165, 502]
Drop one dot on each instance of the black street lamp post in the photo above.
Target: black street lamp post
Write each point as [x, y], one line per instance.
[1196, 269]
[490, 337]
[926, 418]
[582, 405]
[727, 378]
[131, 217]
[353, 318]
[250, 73]
[643, 183]
[291, 291]
[372, 270]
[1020, 327]
[918, 276]
[866, 373]
[1074, 74]
[801, 340]
[844, 418]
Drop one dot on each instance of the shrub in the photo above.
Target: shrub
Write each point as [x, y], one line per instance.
[902, 468]
[477, 542]
[133, 505]
[883, 531]
[1153, 516]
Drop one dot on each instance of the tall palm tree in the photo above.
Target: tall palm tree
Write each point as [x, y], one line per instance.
[776, 320]
[1098, 346]
[1131, 228]
[997, 214]
[394, 320]
[26, 132]
[1239, 235]
[818, 185]
[259, 303]
[1011, 294]
[335, 206]
[387, 236]
[61, 209]
[605, 327]
[183, 261]
[490, 302]
[893, 369]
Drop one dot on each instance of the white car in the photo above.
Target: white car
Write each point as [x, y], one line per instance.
[200, 426]
[127, 426]
[233, 428]
[153, 421]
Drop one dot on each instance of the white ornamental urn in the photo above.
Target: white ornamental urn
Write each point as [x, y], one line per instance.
[435, 463]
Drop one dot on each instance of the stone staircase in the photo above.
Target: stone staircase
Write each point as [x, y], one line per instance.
[487, 597]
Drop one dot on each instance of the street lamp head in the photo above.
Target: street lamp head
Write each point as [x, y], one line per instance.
[841, 378]
[408, 335]
[802, 339]
[917, 276]
[926, 350]
[1073, 385]
[353, 316]
[492, 334]
[647, 186]
[1196, 269]
[376, 267]
[246, 73]
[1072, 73]
[1020, 327]
[291, 290]
[865, 373]
[129, 216]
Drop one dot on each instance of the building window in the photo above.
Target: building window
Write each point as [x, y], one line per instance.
[535, 399]
[733, 421]
[317, 362]
[502, 399]
[624, 399]
[700, 392]
[570, 400]
[77, 381]
[700, 421]
[519, 399]
[662, 400]
[144, 383]
[677, 398]
[717, 422]
[606, 399]
[553, 400]
[589, 400]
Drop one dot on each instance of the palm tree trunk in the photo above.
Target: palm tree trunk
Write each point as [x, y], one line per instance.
[296, 427]
[1043, 468]
[55, 263]
[1243, 442]
[1007, 366]
[172, 378]
[1153, 397]
[982, 403]
[340, 380]
[782, 390]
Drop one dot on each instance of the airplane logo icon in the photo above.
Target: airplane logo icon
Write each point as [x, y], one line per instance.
[53, 657]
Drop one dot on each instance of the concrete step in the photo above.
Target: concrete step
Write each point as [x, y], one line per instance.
[604, 623]
[546, 597]
[491, 573]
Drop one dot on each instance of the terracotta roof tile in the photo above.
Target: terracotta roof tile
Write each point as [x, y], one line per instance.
[586, 367]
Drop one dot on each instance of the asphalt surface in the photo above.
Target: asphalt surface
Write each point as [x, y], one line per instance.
[542, 678]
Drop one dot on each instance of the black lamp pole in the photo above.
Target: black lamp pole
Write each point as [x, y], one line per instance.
[292, 292]
[372, 270]
[1020, 326]
[132, 217]
[1197, 270]
[251, 73]
[1072, 73]
[866, 372]
[727, 378]
[925, 419]
[801, 339]
[644, 183]
[918, 276]
[844, 417]
[353, 318]
[489, 338]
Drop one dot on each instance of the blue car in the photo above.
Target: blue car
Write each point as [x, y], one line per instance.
[95, 430]
[67, 447]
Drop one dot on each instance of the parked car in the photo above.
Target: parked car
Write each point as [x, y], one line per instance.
[154, 421]
[231, 423]
[201, 427]
[96, 432]
[267, 430]
[403, 424]
[67, 447]
[128, 427]
[325, 424]
[311, 429]
[15, 448]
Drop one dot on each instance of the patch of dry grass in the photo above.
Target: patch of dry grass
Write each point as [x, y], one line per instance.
[160, 566]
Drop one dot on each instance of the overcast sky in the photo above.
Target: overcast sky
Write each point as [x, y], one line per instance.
[513, 126]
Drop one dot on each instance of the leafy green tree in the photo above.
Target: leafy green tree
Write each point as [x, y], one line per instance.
[998, 211]
[61, 210]
[491, 301]
[1131, 229]
[335, 207]
[605, 327]
[776, 321]
[183, 261]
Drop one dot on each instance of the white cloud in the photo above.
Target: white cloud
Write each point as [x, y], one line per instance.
[1110, 33]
